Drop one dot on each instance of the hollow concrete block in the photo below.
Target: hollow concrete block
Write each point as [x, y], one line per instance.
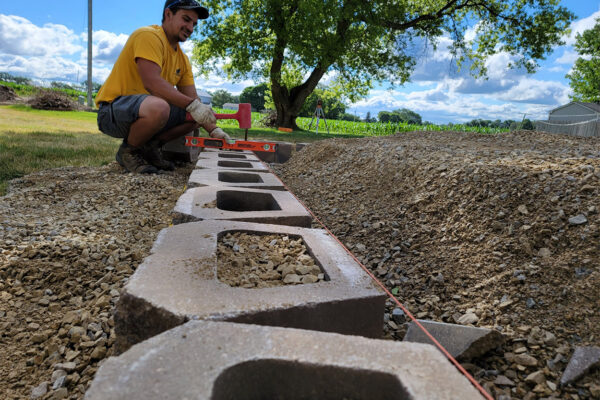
[178, 282]
[240, 204]
[241, 165]
[229, 155]
[242, 179]
[220, 360]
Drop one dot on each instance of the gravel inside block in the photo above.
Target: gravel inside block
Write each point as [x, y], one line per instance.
[252, 260]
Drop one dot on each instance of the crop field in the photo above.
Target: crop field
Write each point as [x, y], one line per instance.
[350, 128]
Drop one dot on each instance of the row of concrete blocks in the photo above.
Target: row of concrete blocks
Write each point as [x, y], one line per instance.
[196, 337]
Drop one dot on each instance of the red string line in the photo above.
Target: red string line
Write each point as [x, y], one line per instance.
[390, 295]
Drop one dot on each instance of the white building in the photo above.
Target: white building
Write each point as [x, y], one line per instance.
[204, 97]
[575, 112]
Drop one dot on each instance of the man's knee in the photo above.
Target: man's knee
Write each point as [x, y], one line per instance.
[156, 109]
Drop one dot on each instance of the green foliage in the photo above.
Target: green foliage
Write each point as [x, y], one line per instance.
[349, 117]
[497, 124]
[584, 78]
[255, 95]
[401, 115]
[332, 106]
[294, 43]
[222, 96]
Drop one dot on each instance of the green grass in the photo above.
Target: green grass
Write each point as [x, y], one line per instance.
[32, 140]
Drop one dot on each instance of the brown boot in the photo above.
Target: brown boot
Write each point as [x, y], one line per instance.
[132, 160]
[153, 154]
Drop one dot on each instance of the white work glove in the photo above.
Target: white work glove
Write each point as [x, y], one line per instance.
[201, 113]
[219, 133]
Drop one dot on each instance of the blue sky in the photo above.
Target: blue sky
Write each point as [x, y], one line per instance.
[48, 40]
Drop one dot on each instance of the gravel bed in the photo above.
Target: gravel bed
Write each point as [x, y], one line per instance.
[499, 231]
[69, 240]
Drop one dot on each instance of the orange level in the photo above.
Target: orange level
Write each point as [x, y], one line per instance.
[232, 145]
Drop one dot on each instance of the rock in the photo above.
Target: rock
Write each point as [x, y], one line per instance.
[578, 220]
[398, 315]
[530, 303]
[525, 360]
[468, 319]
[59, 382]
[291, 279]
[544, 252]
[61, 393]
[502, 380]
[39, 390]
[98, 353]
[523, 209]
[68, 366]
[309, 279]
[537, 377]
[462, 342]
[581, 361]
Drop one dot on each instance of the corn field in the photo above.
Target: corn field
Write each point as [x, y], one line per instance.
[361, 128]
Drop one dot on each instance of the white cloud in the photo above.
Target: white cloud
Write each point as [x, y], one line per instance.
[568, 57]
[581, 25]
[106, 46]
[20, 37]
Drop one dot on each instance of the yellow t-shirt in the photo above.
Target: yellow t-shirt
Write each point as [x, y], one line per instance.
[150, 43]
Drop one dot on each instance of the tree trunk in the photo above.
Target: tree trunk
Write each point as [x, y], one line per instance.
[289, 103]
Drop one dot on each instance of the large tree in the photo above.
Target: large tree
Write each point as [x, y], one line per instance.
[359, 42]
[585, 76]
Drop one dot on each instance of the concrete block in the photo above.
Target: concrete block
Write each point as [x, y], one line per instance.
[582, 360]
[462, 342]
[229, 155]
[177, 150]
[178, 282]
[242, 179]
[282, 153]
[240, 204]
[241, 165]
[220, 360]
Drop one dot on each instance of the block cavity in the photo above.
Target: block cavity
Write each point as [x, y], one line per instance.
[178, 282]
[229, 164]
[240, 204]
[243, 179]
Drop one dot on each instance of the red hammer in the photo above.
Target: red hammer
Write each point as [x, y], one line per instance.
[243, 117]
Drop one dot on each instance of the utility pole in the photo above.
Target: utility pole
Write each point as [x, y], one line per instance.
[89, 66]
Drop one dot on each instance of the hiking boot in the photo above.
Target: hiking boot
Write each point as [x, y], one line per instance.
[132, 160]
[153, 154]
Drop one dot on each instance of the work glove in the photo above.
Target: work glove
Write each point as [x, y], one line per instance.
[201, 113]
[219, 133]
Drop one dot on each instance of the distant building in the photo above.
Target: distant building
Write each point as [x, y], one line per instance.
[231, 106]
[575, 112]
[204, 97]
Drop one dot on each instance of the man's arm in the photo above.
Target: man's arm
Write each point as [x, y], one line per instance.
[157, 86]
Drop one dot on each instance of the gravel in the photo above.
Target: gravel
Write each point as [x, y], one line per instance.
[69, 240]
[500, 228]
[499, 231]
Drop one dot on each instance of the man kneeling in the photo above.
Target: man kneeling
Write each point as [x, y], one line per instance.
[150, 89]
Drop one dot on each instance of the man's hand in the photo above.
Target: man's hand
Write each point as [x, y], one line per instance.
[218, 133]
[201, 113]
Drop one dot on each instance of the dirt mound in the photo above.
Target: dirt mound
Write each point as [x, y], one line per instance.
[7, 93]
[503, 226]
[52, 100]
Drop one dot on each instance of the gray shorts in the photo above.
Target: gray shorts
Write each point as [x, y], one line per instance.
[115, 119]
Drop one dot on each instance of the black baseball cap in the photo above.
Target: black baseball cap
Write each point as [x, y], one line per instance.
[187, 5]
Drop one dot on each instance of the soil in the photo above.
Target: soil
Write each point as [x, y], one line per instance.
[505, 227]
[502, 228]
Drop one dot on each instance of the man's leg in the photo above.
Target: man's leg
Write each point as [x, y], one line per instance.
[153, 116]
